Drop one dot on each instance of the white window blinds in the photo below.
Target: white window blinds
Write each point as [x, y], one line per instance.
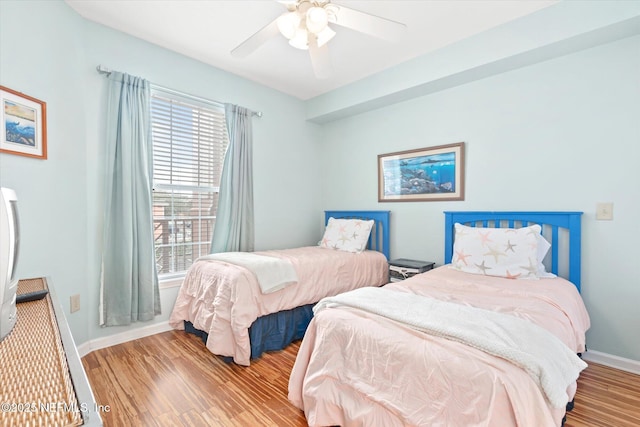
[189, 144]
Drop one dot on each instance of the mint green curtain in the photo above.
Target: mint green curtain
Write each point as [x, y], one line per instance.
[234, 228]
[129, 286]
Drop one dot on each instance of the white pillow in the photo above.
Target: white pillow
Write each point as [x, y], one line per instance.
[350, 235]
[543, 248]
[503, 252]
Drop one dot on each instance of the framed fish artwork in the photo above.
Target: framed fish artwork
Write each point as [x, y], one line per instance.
[425, 174]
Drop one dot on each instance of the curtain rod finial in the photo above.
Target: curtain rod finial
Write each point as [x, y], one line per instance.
[103, 70]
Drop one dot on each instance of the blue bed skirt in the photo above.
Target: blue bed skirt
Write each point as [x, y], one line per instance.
[271, 332]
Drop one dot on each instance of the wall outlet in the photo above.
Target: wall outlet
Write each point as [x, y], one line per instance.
[604, 211]
[75, 303]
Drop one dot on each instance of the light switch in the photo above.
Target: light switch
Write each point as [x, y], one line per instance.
[75, 303]
[604, 211]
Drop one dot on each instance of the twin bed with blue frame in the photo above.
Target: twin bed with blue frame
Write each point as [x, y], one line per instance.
[423, 376]
[274, 331]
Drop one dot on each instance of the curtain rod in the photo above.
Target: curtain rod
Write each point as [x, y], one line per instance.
[105, 70]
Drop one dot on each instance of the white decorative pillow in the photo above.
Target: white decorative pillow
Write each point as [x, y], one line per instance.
[350, 235]
[503, 252]
[543, 248]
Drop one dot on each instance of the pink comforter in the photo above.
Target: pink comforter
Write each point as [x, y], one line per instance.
[355, 368]
[224, 299]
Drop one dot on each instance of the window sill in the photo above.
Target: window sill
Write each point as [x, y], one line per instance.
[171, 282]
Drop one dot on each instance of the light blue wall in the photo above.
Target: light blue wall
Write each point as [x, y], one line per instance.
[54, 59]
[560, 135]
[43, 60]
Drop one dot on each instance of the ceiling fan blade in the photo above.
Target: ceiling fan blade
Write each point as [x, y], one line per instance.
[255, 41]
[366, 23]
[320, 59]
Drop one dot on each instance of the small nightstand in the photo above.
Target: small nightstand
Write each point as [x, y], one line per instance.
[403, 268]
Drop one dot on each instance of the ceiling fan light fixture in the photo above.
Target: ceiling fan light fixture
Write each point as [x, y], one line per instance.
[288, 24]
[316, 19]
[306, 25]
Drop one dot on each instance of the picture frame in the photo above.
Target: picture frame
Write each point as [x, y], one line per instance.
[23, 124]
[422, 175]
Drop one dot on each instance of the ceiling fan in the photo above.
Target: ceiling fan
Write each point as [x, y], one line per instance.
[307, 26]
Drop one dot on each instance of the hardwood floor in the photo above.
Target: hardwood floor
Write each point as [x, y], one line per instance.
[606, 397]
[171, 379]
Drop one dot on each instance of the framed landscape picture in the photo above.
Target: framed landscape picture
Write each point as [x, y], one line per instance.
[425, 174]
[23, 124]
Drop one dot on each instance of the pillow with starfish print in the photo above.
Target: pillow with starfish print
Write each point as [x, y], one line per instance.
[502, 252]
[350, 235]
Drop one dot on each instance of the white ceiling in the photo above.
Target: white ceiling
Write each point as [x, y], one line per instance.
[207, 30]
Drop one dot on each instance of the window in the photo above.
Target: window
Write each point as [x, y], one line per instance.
[189, 143]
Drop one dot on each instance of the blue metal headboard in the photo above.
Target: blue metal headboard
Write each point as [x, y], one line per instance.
[379, 238]
[555, 220]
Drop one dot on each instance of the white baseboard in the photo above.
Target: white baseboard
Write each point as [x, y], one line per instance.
[612, 361]
[145, 331]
